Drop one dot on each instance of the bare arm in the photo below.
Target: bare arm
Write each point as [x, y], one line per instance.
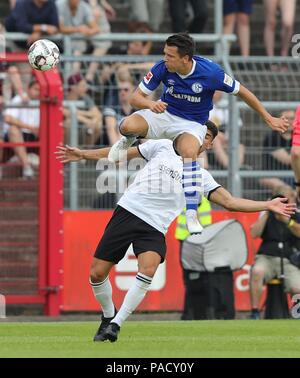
[139, 100]
[277, 124]
[222, 197]
[219, 150]
[68, 29]
[290, 223]
[93, 113]
[295, 229]
[282, 156]
[93, 28]
[21, 125]
[112, 132]
[258, 227]
[67, 154]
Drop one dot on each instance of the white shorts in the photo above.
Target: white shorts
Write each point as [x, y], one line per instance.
[168, 126]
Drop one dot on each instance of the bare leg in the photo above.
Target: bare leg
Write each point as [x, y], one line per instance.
[243, 32]
[100, 270]
[15, 136]
[241, 152]
[256, 286]
[288, 8]
[134, 125]
[228, 24]
[295, 153]
[270, 24]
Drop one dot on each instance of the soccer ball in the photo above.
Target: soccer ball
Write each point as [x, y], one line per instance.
[43, 55]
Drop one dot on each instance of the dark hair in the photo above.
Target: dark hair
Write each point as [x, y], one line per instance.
[75, 79]
[212, 127]
[184, 42]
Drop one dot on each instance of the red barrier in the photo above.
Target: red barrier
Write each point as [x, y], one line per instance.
[83, 230]
[50, 191]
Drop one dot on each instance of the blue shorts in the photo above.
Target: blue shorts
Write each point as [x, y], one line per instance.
[237, 6]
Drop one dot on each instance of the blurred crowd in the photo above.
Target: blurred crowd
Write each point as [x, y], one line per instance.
[103, 89]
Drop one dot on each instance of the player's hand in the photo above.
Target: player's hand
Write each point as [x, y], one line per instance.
[279, 124]
[158, 106]
[84, 29]
[66, 154]
[279, 206]
[33, 37]
[51, 29]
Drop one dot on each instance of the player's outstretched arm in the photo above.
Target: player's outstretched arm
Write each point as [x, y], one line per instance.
[67, 154]
[277, 124]
[223, 198]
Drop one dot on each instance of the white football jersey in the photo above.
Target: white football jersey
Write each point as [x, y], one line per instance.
[156, 194]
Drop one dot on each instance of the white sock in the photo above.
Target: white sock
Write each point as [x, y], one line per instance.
[103, 294]
[133, 298]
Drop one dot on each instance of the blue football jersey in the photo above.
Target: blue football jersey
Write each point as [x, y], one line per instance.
[190, 96]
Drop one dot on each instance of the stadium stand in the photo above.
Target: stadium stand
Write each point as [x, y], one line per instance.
[279, 90]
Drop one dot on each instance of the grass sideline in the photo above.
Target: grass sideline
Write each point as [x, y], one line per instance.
[169, 339]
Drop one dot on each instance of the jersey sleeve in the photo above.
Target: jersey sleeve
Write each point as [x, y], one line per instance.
[209, 183]
[153, 78]
[224, 82]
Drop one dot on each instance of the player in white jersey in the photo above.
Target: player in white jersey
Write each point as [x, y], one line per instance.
[189, 83]
[142, 218]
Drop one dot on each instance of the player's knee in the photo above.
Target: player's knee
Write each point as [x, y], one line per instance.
[13, 131]
[287, 25]
[148, 271]
[125, 127]
[97, 274]
[271, 23]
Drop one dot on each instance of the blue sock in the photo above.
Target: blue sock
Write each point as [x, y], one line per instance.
[192, 184]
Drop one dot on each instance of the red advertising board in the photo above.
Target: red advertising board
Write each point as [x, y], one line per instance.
[83, 230]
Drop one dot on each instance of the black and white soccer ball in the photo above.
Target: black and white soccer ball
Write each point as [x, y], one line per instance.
[43, 55]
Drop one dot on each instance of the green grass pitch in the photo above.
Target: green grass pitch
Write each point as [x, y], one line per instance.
[170, 339]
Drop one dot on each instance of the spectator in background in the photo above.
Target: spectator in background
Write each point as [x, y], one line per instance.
[114, 115]
[139, 47]
[295, 152]
[101, 11]
[220, 116]
[179, 13]
[111, 74]
[279, 234]
[237, 13]
[90, 116]
[287, 9]
[150, 12]
[13, 74]
[22, 125]
[76, 18]
[38, 18]
[277, 154]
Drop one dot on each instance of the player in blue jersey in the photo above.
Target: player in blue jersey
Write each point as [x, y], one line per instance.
[180, 114]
